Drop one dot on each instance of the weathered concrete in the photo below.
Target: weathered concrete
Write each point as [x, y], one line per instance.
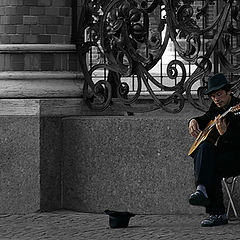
[19, 164]
[30, 147]
[137, 163]
[31, 152]
[128, 163]
[50, 163]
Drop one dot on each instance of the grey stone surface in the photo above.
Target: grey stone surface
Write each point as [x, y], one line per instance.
[64, 225]
[51, 162]
[30, 154]
[19, 164]
[136, 163]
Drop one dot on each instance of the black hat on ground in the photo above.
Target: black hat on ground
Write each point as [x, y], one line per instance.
[119, 219]
[217, 82]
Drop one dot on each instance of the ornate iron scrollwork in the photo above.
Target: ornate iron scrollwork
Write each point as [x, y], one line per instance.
[120, 31]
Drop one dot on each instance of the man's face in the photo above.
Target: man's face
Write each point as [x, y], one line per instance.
[221, 98]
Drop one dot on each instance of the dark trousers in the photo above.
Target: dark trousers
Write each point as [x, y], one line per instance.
[210, 166]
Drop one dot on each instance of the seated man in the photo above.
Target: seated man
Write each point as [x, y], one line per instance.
[213, 161]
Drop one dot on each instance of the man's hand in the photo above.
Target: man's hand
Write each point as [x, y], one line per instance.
[193, 128]
[221, 125]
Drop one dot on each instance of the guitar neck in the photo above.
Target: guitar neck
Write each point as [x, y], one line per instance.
[222, 116]
[225, 113]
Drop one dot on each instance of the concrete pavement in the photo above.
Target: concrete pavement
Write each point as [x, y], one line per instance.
[69, 225]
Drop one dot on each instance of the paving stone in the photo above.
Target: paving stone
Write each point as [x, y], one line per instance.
[75, 225]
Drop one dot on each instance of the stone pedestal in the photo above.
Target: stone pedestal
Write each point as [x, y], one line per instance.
[31, 152]
[20, 159]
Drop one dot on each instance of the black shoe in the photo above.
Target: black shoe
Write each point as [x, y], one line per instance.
[199, 199]
[214, 220]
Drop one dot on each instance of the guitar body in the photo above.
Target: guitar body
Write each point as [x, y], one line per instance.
[209, 134]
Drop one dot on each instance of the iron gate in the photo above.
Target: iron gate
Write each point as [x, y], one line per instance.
[163, 49]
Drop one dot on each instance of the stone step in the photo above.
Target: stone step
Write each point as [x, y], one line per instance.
[38, 57]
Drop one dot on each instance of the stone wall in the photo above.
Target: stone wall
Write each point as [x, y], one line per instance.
[37, 58]
[139, 164]
[31, 152]
[136, 164]
[90, 163]
[35, 21]
[19, 157]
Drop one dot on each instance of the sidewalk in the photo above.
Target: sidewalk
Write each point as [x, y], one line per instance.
[69, 225]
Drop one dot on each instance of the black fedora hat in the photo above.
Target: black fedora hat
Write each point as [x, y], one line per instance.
[119, 219]
[217, 82]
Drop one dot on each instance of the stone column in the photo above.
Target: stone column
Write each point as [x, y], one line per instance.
[40, 82]
[35, 36]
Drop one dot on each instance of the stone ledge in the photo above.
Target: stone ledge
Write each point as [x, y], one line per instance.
[36, 84]
[31, 75]
[51, 107]
[37, 48]
[39, 57]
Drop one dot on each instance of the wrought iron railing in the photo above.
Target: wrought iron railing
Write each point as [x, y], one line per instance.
[128, 41]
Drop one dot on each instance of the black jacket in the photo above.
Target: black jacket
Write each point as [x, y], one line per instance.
[230, 140]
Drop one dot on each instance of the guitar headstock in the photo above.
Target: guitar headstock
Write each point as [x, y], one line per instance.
[235, 109]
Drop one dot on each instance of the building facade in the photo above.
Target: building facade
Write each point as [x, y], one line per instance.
[53, 153]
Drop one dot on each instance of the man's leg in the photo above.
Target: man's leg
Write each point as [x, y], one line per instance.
[215, 194]
[216, 208]
[204, 169]
[205, 164]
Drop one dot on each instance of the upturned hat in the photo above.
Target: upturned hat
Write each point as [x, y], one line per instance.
[118, 219]
[217, 82]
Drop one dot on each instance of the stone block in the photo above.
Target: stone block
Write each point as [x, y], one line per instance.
[17, 62]
[5, 19]
[64, 11]
[2, 29]
[20, 158]
[10, 10]
[28, 20]
[23, 10]
[60, 39]
[51, 29]
[2, 11]
[64, 30]
[23, 29]
[32, 62]
[10, 29]
[52, 11]
[16, 20]
[35, 11]
[139, 164]
[51, 162]
[30, 2]
[44, 38]
[38, 29]
[30, 38]
[44, 2]
[17, 38]
[30, 157]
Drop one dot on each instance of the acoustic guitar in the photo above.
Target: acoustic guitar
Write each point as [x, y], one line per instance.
[210, 132]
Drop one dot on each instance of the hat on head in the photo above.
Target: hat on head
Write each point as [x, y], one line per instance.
[217, 82]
